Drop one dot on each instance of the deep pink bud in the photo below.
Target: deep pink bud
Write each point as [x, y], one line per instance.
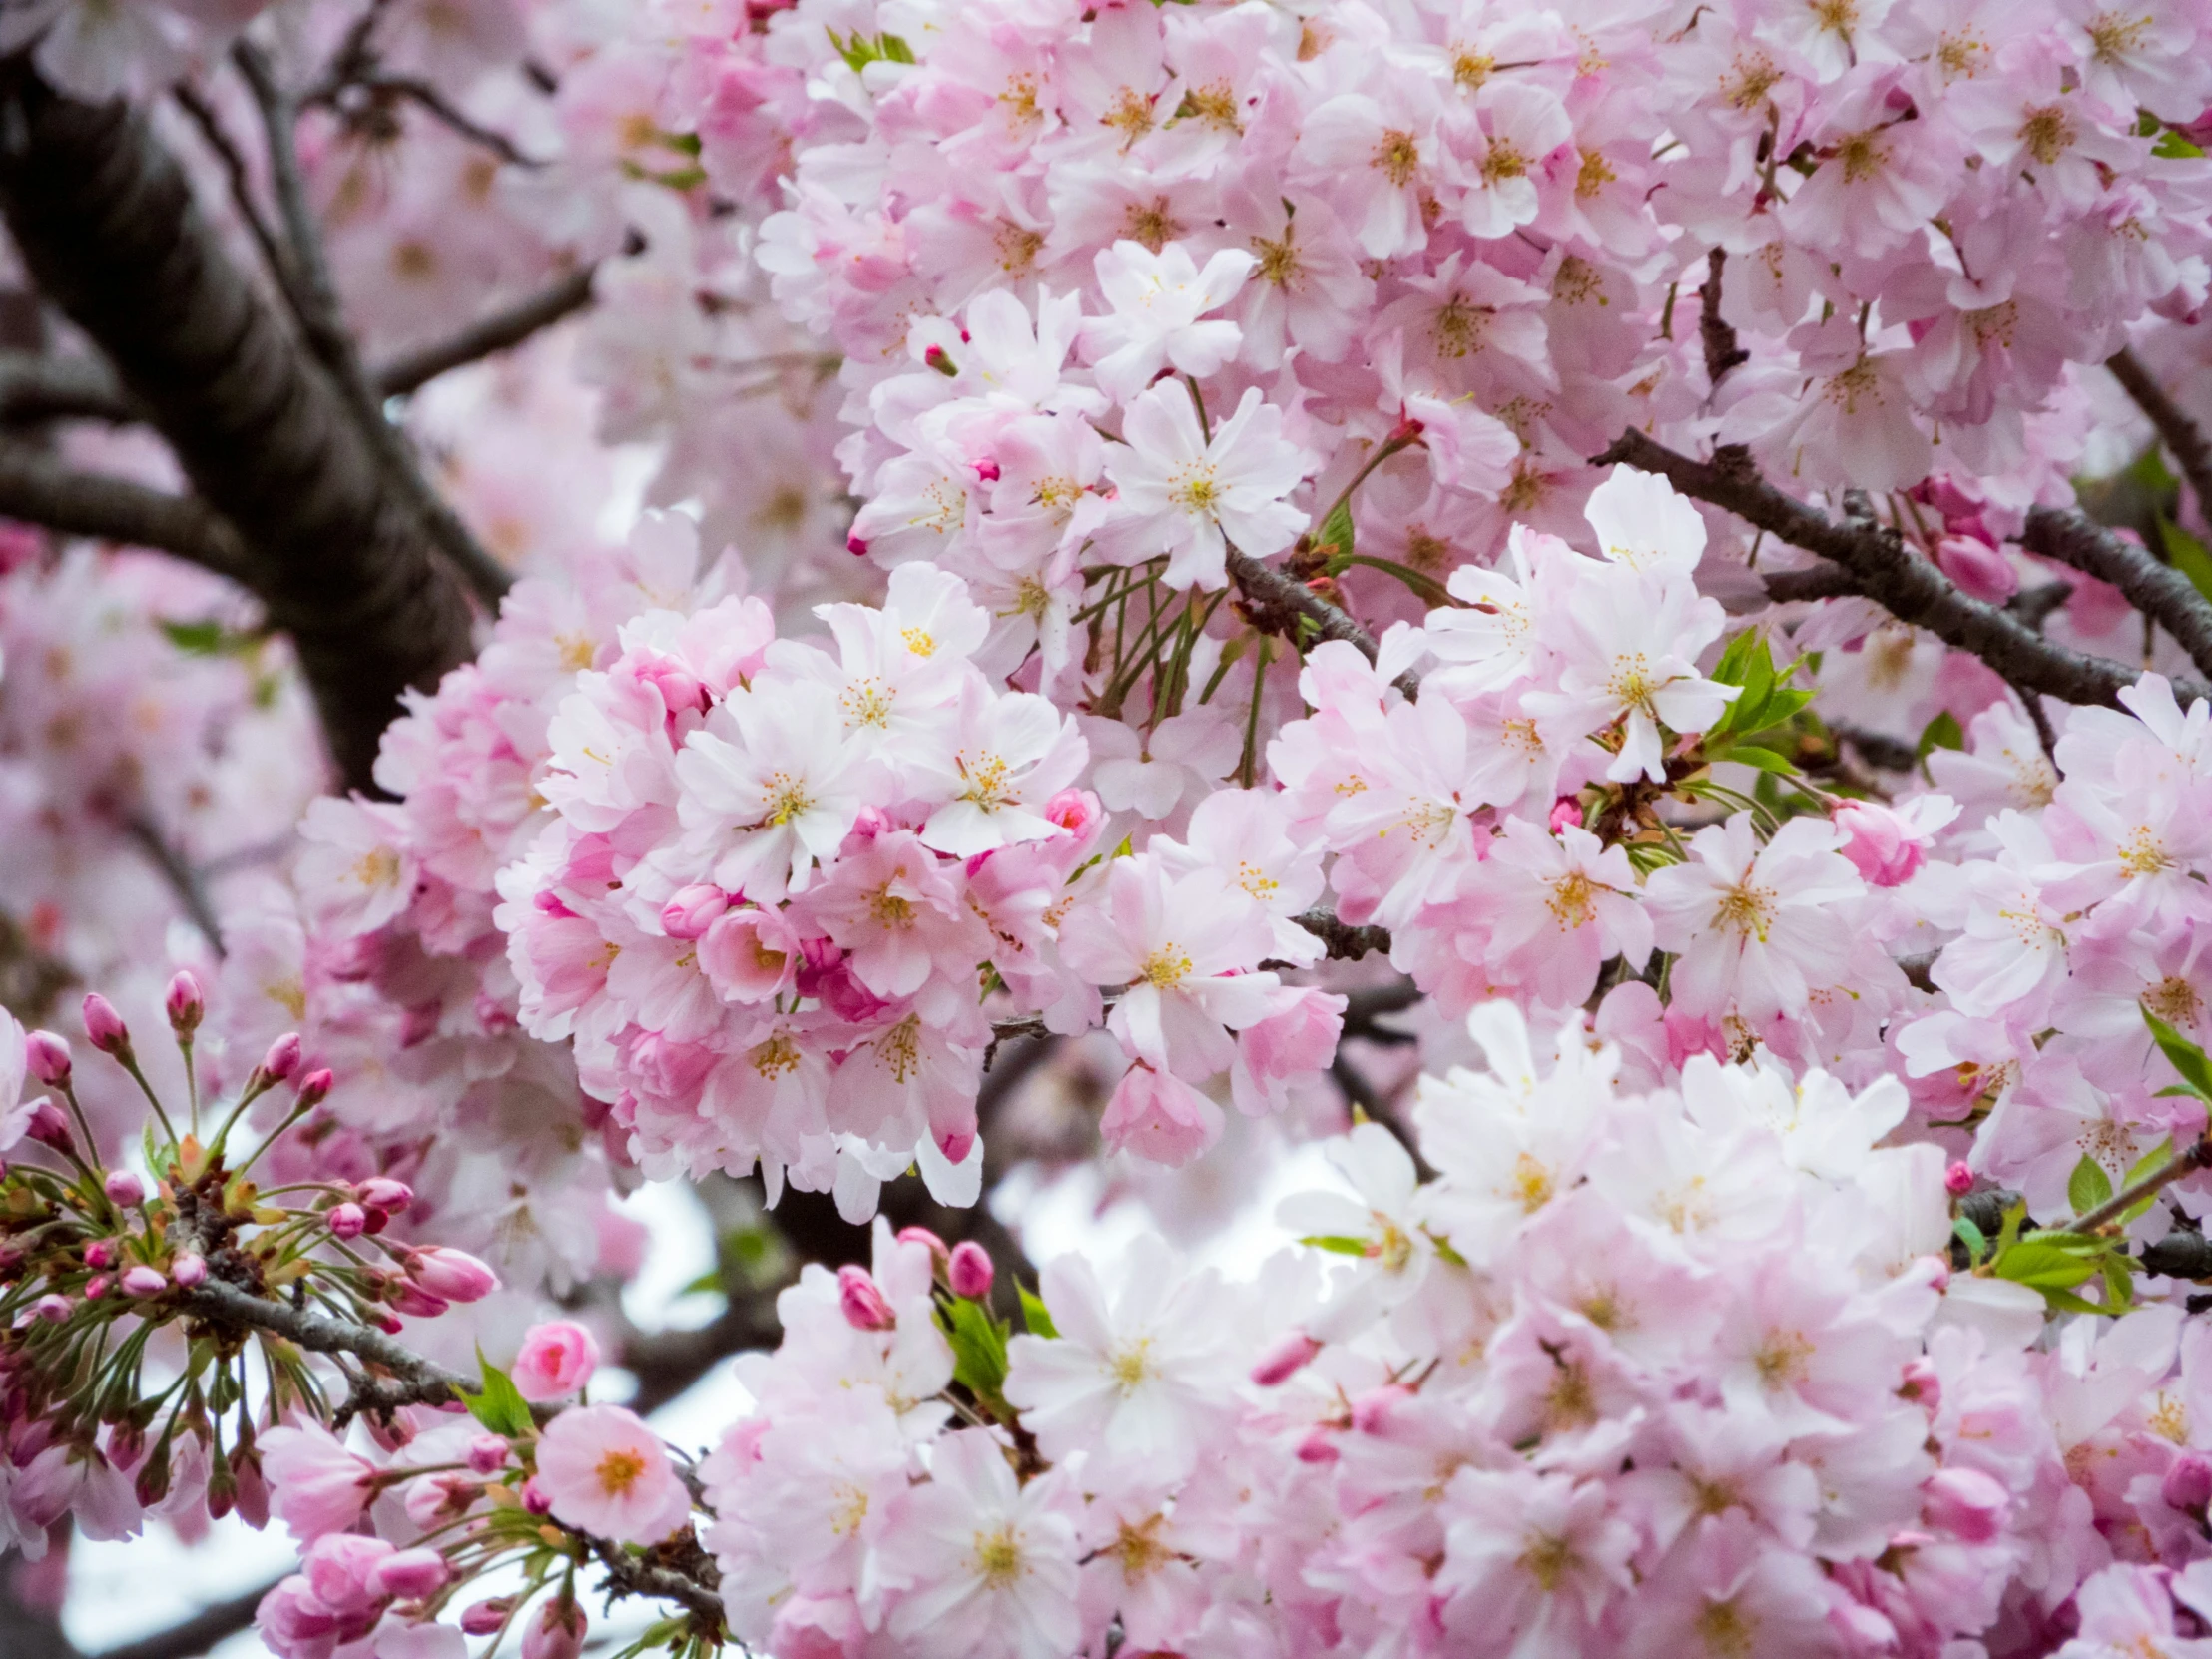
[970, 1271]
[855, 546]
[1882, 844]
[49, 1058]
[348, 1221]
[555, 1631]
[282, 1058]
[49, 1126]
[125, 1188]
[188, 1270]
[380, 1192]
[1567, 813]
[186, 1005]
[52, 1309]
[487, 1618]
[1958, 1180]
[938, 1252]
[488, 1454]
[416, 1303]
[97, 1286]
[693, 910]
[534, 1497]
[316, 1087]
[100, 1253]
[104, 1027]
[941, 360]
[144, 1281]
[1318, 1448]
[1965, 1503]
[1981, 571]
[864, 1303]
[1075, 811]
[409, 1574]
[2188, 1483]
[1285, 1360]
[1922, 1385]
[452, 1273]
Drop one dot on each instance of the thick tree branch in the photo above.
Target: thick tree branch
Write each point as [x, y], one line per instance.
[2183, 437]
[495, 333]
[34, 388]
[106, 221]
[1343, 939]
[1877, 562]
[234, 1308]
[1276, 601]
[38, 489]
[2158, 590]
[191, 1636]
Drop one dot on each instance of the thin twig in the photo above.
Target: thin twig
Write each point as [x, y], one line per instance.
[34, 388]
[495, 333]
[218, 138]
[381, 88]
[38, 489]
[315, 299]
[183, 879]
[1877, 562]
[1344, 942]
[1722, 353]
[2158, 590]
[1276, 601]
[2186, 1162]
[2184, 438]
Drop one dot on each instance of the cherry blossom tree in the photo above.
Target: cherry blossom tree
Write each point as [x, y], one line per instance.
[1525, 692]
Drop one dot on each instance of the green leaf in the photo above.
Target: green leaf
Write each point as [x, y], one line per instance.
[1035, 1316]
[1944, 732]
[1749, 755]
[2175, 148]
[2188, 554]
[500, 1407]
[1427, 587]
[2149, 1164]
[2011, 1231]
[858, 50]
[2185, 1056]
[1976, 1240]
[2043, 1263]
[2088, 1186]
[1333, 541]
[2119, 1283]
[1337, 1244]
[209, 639]
[978, 1341]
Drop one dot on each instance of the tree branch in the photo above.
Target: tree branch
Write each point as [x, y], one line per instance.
[381, 90]
[1877, 560]
[497, 332]
[231, 1306]
[1274, 602]
[2158, 590]
[2183, 437]
[1722, 353]
[34, 388]
[1344, 941]
[183, 879]
[38, 489]
[104, 220]
[195, 1635]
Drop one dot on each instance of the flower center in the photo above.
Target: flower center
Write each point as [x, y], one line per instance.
[1531, 1183]
[377, 868]
[1571, 901]
[1132, 1365]
[619, 1470]
[1196, 490]
[1862, 155]
[919, 641]
[989, 781]
[1781, 1359]
[1546, 1559]
[2048, 133]
[1398, 156]
[1166, 968]
[1748, 909]
[786, 799]
[1504, 161]
[998, 1558]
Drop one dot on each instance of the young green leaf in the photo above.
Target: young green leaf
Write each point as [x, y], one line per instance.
[1337, 1244]
[1944, 732]
[1037, 1319]
[1976, 1240]
[499, 1406]
[1333, 541]
[979, 1340]
[2088, 1186]
[2185, 1056]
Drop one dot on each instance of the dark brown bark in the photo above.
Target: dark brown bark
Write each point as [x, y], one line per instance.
[106, 221]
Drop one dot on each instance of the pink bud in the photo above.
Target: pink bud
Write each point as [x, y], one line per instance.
[316, 1087]
[855, 546]
[938, 1252]
[282, 1058]
[1285, 1360]
[348, 1221]
[1967, 1503]
[1981, 571]
[144, 1281]
[693, 910]
[188, 1270]
[1318, 1448]
[970, 1271]
[488, 1454]
[104, 1027]
[124, 1189]
[49, 1058]
[409, 1574]
[555, 1631]
[452, 1273]
[416, 1303]
[382, 1193]
[534, 1497]
[97, 1286]
[1881, 842]
[49, 1126]
[487, 1618]
[1566, 812]
[556, 1358]
[100, 1253]
[1371, 1413]
[2188, 1483]
[1958, 1180]
[864, 1305]
[941, 360]
[184, 1004]
[52, 1309]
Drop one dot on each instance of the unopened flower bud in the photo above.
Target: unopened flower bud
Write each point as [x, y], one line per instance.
[144, 1281]
[186, 1005]
[97, 1286]
[382, 1193]
[100, 1253]
[1566, 814]
[487, 1618]
[452, 1273]
[49, 1058]
[534, 1497]
[942, 360]
[2188, 1483]
[1285, 1360]
[864, 1303]
[188, 1271]
[970, 1270]
[1371, 1413]
[124, 1189]
[416, 1303]
[409, 1574]
[488, 1454]
[348, 1221]
[1967, 1503]
[316, 1087]
[1318, 1448]
[282, 1058]
[104, 1027]
[555, 1631]
[52, 1309]
[1958, 1180]
[49, 1126]
[939, 1252]
[693, 910]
